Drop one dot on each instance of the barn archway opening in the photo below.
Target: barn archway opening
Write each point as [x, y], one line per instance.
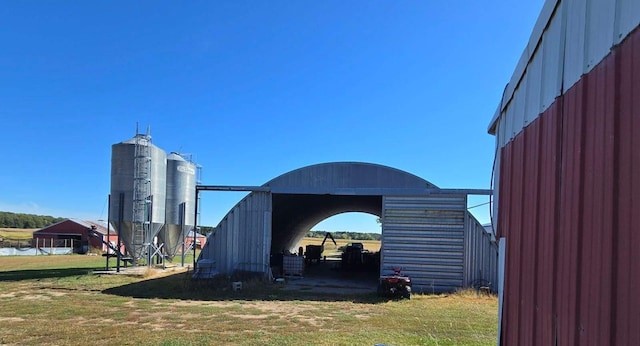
[348, 263]
[295, 214]
[354, 257]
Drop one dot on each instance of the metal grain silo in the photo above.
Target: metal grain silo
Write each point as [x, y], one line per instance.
[138, 193]
[180, 204]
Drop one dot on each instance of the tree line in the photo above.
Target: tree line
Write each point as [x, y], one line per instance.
[345, 235]
[17, 220]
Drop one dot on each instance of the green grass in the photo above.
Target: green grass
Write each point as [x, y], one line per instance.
[52, 300]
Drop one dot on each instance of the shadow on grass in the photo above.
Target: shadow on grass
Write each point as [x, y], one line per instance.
[19, 275]
[181, 286]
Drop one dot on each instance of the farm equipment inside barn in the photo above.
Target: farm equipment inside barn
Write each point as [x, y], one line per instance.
[314, 252]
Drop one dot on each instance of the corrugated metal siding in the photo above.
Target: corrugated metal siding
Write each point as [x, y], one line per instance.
[548, 183]
[598, 182]
[514, 241]
[328, 177]
[626, 275]
[568, 210]
[425, 236]
[627, 18]
[242, 240]
[530, 168]
[552, 61]
[529, 227]
[577, 35]
[481, 255]
[574, 59]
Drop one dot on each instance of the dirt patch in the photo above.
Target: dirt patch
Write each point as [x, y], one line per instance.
[36, 297]
[326, 277]
[11, 319]
[250, 317]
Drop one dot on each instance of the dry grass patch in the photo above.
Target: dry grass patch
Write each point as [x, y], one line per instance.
[17, 233]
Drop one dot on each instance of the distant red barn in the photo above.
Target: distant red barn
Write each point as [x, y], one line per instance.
[81, 235]
[199, 240]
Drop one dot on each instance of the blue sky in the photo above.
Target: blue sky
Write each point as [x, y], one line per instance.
[253, 89]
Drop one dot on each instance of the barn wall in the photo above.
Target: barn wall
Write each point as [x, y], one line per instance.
[242, 240]
[569, 39]
[568, 204]
[480, 255]
[425, 236]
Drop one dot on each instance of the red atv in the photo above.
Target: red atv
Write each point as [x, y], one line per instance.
[396, 285]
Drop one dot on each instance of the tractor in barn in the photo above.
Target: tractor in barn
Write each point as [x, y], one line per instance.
[313, 252]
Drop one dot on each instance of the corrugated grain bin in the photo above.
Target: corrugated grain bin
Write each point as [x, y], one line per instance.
[180, 202]
[123, 182]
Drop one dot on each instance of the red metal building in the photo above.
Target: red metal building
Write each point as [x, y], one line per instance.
[198, 239]
[81, 235]
[568, 179]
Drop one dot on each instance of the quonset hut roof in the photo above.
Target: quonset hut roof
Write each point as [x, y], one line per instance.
[347, 178]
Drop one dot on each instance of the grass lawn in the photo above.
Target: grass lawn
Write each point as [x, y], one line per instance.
[57, 300]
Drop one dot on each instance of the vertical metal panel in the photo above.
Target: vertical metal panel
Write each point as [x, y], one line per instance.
[514, 237]
[495, 198]
[519, 110]
[515, 113]
[532, 86]
[533, 96]
[600, 18]
[598, 147]
[627, 18]
[425, 236]
[242, 240]
[626, 242]
[503, 135]
[481, 255]
[502, 254]
[626, 280]
[542, 23]
[552, 50]
[504, 204]
[529, 229]
[570, 222]
[549, 161]
[574, 63]
[528, 196]
[544, 18]
[504, 224]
